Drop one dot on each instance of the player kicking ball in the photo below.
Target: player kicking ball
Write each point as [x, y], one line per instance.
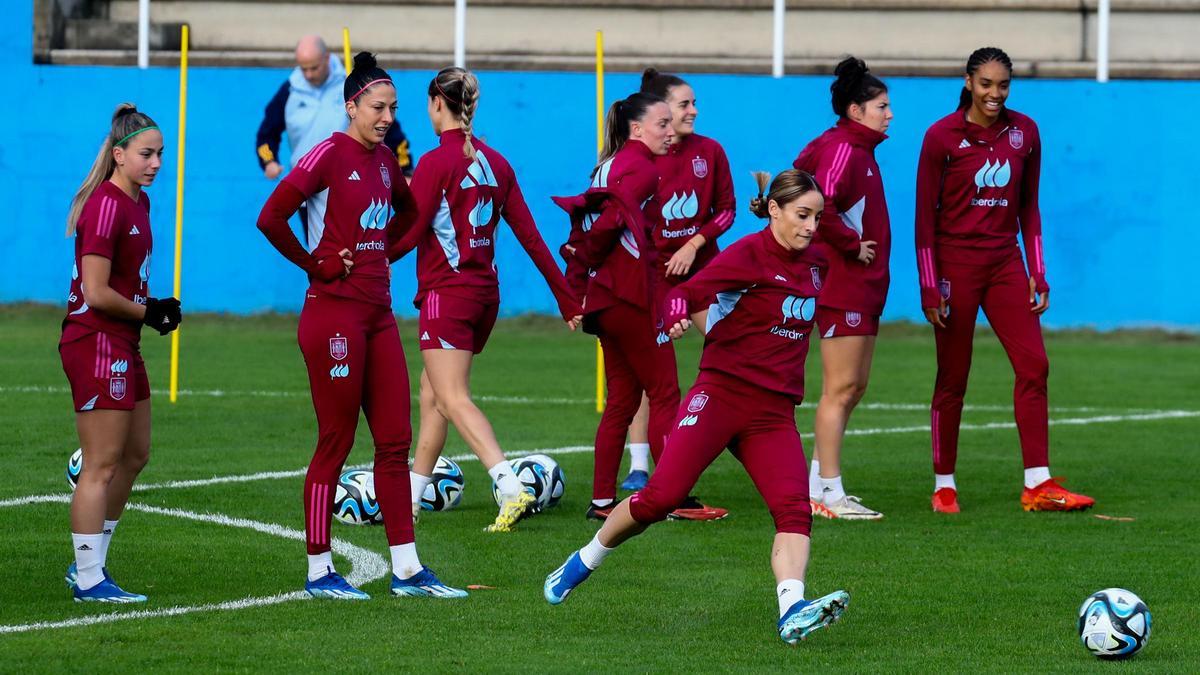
[766, 287]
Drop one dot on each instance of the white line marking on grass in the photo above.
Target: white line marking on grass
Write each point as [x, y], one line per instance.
[535, 400]
[1068, 421]
[365, 567]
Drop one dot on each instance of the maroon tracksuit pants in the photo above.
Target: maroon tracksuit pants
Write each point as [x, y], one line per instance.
[355, 360]
[997, 282]
[634, 362]
[758, 426]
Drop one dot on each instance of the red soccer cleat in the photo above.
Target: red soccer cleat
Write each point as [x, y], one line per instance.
[692, 509]
[1050, 496]
[945, 500]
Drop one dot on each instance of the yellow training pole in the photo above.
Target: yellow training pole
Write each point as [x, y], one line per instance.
[346, 48]
[599, 149]
[183, 66]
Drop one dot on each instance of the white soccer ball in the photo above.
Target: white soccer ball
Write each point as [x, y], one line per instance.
[1114, 624]
[541, 475]
[445, 488]
[354, 502]
[74, 467]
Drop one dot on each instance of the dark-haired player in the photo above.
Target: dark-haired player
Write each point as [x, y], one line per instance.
[977, 186]
[100, 346]
[857, 236]
[347, 332]
[751, 378]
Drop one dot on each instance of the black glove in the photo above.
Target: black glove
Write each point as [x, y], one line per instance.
[163, 316]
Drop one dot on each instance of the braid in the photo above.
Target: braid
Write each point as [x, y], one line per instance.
[470, 101]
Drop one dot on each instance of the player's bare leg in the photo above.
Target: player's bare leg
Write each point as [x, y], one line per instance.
[846, 367]
[431, 441]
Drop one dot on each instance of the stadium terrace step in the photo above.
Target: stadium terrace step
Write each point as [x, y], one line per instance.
[1150, 38]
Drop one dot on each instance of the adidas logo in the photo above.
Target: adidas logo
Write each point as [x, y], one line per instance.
[779, 278]
[354, 175]
[425, 335]
[133, 230]
[964, 144]
[85, 547]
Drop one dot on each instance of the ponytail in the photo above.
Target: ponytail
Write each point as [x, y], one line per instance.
[786, 188]
[978, 58]
[127, 122]
[459, 88]
[620, 115]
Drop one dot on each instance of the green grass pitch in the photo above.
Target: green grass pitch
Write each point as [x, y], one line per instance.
[993, 589]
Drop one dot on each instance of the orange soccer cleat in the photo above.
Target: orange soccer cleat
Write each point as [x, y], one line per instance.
[945, 500]
[1050, 496]
[692, 509]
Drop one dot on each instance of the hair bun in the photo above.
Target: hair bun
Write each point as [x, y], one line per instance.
[648, 76]
[758, 206]
[851, 68]
[364, 61]
[123, 110]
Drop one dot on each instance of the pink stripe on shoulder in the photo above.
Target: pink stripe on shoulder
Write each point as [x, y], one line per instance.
[838, 167]
[104, 220]
[309, 161]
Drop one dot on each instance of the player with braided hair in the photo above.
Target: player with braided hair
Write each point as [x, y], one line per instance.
[463, 188]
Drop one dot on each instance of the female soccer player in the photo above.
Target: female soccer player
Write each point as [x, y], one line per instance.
[107, 306]
[347, 332]
[977, 185]
[696, 203]
[858, 240]
[751, 378]
[610, 262]
[463, 187]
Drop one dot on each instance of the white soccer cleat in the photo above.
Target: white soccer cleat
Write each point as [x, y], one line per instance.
[846, 508]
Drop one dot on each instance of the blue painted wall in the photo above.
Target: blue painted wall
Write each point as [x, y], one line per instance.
[1120, 164]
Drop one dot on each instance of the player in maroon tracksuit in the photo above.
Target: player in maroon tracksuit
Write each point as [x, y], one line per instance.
[463, 187]
[108, 303]
[856, 234]
[751, 378]
[610, 263]
[695, 196]
[347, 332]
[977, 185]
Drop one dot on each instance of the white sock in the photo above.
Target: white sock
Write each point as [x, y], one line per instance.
[405, 563]
[1036, 476]
[832, 489]
[790, 591]
[109, 527]
[943, 480]
[594, 553]
[506, 480]
[815, 489]
[639, 457]
[601, 503]
[319, 565]
[418, 483]
[88, 564]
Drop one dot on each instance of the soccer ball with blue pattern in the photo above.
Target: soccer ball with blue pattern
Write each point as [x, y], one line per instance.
[1114, 624]
[542, 475]
[445, 488]
[354, 502]
[74, 467]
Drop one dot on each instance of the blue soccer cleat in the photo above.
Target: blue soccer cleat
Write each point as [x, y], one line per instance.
[334, 587]
[425, 584]
[564, 579]
[806, 616]
[107, 591]
[636, 480]
[72, 576]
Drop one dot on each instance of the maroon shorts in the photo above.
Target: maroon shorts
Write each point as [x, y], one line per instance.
[451, 322]
[106, 373]
[841, 323]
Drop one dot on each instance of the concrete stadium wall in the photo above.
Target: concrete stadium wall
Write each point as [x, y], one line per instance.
[1119, 164]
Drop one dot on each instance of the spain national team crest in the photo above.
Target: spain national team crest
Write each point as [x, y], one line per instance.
[1016, 138]
[387, 177]
[697, 403]
[944, 288]
[338, 348]
[700, 167]
[116, 388]
[816, 276]
[853, 319]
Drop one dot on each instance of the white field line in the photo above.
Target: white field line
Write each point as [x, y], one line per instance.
[365, 567]
[535, 400]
